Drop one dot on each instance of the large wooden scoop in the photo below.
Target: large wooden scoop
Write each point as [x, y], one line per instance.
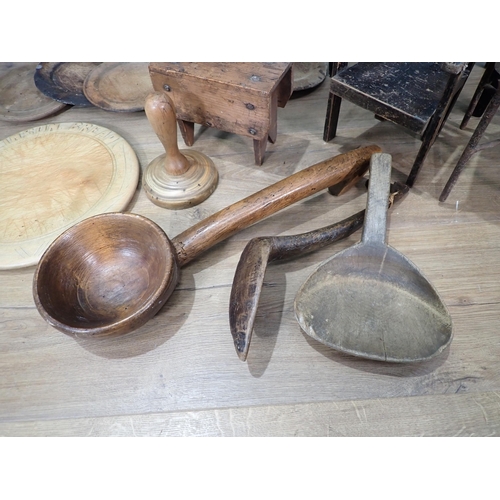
[370, 300]
[111, 273]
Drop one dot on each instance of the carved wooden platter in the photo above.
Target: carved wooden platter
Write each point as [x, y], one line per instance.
[63, 81]
[20, 99]
[53, 176]
[117, 86]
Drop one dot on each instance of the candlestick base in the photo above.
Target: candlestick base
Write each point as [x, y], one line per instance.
[181, 191]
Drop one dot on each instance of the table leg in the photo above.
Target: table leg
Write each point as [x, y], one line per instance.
[273, 120]
[259, 148]
[187, 131]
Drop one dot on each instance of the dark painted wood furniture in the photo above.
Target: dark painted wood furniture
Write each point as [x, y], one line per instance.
[473, 146]
[241, 98]
[485, 85]
[417, 96]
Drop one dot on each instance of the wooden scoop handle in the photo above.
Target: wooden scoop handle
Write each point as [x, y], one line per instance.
[375, 226]
[256, 207]
[160, 111]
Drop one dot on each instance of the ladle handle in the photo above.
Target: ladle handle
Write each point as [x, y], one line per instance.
[160, 111]
[256, 207]
[374, 229]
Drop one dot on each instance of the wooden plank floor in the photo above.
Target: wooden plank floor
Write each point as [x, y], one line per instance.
[179, 374]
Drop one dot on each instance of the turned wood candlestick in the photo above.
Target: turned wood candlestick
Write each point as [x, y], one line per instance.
[178, 178]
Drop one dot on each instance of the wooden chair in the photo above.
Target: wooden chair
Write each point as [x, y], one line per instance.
[416, 96]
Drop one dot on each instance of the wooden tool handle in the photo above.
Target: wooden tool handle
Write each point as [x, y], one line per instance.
[160, 111]
[256, 207]
[374, 229]
[287, 247]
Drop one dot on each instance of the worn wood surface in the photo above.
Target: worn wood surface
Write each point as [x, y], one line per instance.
[409, 95]
[63, 81]
[20, 99]
[107, 275]
[179, 375]
[308, 75]
[118, 86]
[370, 300]
[251, 269]
[461, 415]
[241, 98]
[417, 96]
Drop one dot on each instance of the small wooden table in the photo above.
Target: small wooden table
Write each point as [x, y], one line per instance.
[240, 98]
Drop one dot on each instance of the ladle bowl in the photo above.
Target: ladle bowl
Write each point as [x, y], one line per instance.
[111, 273]
[105, 275]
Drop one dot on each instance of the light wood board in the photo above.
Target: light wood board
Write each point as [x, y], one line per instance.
[55, 175]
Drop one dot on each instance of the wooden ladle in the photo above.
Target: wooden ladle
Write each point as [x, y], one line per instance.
[178, 178]
[111, 273]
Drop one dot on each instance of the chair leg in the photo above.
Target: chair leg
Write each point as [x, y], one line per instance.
[437, 121]
[472, 146]
[430, 136]
[332, 117]
[333, 106]
[485, 79]
[419, 160]
[460, 85]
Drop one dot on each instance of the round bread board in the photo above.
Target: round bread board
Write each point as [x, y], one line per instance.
[54, 176]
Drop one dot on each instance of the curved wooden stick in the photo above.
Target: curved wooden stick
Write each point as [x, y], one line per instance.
[267, 201]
